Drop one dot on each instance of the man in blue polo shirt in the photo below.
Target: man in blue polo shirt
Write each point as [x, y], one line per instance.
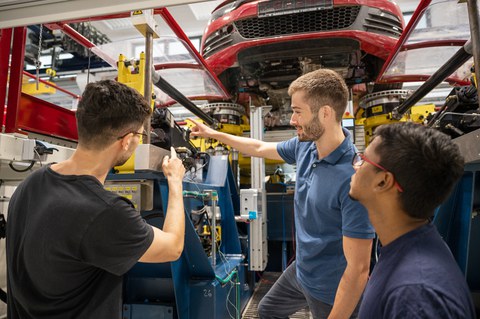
[333, 232]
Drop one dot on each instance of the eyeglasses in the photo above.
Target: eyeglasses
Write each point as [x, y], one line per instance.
[142, 134]
[359, 159]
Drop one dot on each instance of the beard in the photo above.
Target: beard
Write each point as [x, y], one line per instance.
[125, 156]
[312, 131]
[122, 160]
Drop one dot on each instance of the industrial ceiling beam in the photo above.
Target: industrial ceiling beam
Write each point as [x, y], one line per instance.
[40, 12]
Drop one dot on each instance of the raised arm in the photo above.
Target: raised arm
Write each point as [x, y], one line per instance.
[245, 145]
[168, 243]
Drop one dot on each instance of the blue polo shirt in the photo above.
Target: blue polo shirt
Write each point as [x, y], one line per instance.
[324, 213]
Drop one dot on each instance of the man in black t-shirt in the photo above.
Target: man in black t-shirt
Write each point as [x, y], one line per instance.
[69, 241]
[404, 174]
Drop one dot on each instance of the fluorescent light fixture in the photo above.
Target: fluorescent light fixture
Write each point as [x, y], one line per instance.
[65, 56]
[118, 24]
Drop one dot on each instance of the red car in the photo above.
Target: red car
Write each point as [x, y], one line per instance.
[260, 47]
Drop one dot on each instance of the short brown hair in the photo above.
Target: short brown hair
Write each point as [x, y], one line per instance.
[108, 109]
[323, 87]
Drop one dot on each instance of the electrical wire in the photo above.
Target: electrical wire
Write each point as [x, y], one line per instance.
[200, 211]
[36, 152]
[192, 181]
[228, 302]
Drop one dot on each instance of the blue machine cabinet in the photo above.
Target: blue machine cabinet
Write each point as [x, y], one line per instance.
[191, 287]
[458, 222]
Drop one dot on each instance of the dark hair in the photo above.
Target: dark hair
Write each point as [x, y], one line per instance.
[425, 162]
[323, 87]
[108, 109]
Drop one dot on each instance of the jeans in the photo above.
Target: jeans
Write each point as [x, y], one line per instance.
[287, 297]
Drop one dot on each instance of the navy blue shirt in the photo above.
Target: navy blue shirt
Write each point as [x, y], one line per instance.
[324, 213]
[417, 277]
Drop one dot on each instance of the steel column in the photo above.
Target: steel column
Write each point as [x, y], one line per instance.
[16, 74]
[148, 77]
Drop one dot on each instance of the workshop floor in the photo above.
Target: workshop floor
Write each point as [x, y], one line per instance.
[267, 281]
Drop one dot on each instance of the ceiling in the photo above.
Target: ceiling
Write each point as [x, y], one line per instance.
[27, 12]
[193, 18]
[192, 15]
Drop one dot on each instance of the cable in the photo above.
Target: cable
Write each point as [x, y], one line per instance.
[192, 181]
[228, 302]
[36, 152]
[200, 211]
[21, 170]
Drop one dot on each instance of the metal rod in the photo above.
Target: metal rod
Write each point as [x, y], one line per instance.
[473, 16]
[214, 231]
[80, 39]
[172, 23]
[234, 153]
[182, 99]
[148, 78]
[459, 58]
[53, 85]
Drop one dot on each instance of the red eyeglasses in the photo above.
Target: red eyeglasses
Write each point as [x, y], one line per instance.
[359, 159]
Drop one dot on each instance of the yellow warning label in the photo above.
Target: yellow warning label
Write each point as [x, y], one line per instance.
[377, 109]
[137, 12]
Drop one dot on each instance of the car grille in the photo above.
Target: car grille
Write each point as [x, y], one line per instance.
[303, 22]
[383, 22]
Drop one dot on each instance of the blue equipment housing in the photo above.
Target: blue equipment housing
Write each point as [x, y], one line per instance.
[458, 221]
[191, 287]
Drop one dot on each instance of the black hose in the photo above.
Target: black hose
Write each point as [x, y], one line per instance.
[166, 87]
[21, 170]
[459, 58]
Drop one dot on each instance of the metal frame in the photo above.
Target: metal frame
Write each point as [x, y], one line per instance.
[15, 83]
[5, 44]
[19, 116]
[35, 12]
[406, 33]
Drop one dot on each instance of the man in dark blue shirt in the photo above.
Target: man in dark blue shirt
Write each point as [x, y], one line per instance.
[404, 174]
[70, 241]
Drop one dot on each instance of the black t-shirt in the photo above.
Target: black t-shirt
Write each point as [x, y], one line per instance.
[69, 242]
[417, 277]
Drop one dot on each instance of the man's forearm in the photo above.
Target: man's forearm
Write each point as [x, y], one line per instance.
[349, 292]
[245, 145]
[175, 217]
